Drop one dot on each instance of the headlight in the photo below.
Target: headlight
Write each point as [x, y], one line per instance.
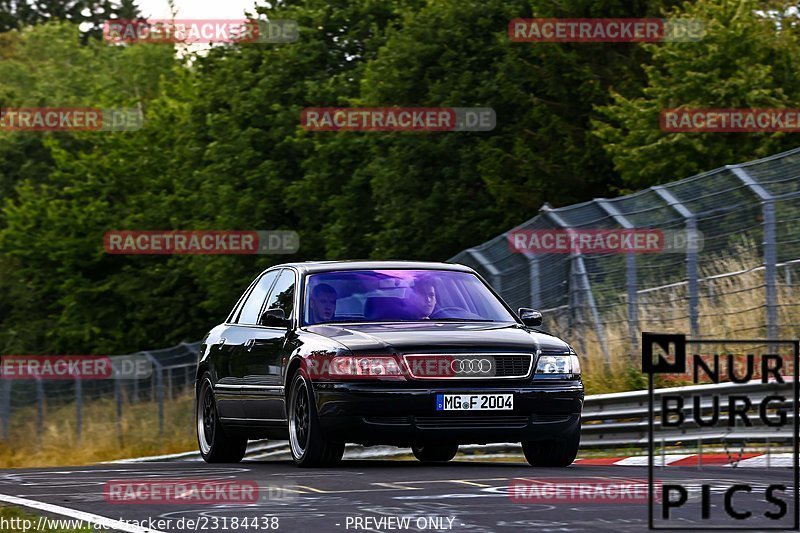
[366, 366]
[558, 364]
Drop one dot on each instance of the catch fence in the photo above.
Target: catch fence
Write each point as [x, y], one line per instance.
[741, 283]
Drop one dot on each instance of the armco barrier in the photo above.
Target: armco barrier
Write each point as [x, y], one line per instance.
[621, 419]
[618, 420]
[609, 420]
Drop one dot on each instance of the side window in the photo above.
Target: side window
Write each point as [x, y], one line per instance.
[252, 306]
[282, 296]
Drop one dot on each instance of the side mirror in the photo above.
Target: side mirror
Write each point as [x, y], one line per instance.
[274, 317]
[530, 317]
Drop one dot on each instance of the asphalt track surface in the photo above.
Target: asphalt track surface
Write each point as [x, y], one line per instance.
[463, 495]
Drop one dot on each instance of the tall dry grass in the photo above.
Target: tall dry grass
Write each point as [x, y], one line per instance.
[103, 438]
[730, 306]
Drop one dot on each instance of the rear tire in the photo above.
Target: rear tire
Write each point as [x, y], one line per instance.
[437, 453]
[553, 453]
[215, 445]
[307, 443]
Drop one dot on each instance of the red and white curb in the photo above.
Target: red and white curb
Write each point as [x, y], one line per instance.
[734, 459]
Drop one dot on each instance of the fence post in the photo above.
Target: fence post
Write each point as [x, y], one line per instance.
[494, 273]
[191, 368]
[770, 268]
[39, 407]
[78, 408]
[583, 285]
[169, 383]
[691, 256]
[159, 388]
[770, 246]
[630, 274]
[153, 386]
[5, 407]
[118, 400]
[533, 275]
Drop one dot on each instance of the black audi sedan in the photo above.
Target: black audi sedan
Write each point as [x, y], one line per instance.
[414, 354]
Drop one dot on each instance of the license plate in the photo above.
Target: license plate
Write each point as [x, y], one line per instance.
[474, 402]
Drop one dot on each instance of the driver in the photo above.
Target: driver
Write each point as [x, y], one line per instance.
[424, 296]
[322, 303]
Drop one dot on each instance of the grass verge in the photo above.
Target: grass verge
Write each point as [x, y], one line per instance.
[103, 437]
[14, 520]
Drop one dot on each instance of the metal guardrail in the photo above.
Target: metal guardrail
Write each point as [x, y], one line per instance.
[617, 420]
[622, 419]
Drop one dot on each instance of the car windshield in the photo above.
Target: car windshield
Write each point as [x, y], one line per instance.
[399, 295]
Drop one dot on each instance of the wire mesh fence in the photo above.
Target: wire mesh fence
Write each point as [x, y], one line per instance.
[32, 408]
[740, 283]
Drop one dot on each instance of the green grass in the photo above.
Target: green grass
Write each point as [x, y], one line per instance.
[16, 520]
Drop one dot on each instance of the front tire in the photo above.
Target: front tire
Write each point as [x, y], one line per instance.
[308, 445]
[554, 453]
[215, 445]
[438, 453]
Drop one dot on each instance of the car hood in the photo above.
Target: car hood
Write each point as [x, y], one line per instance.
[436, 336]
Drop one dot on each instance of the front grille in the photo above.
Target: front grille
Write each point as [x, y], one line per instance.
[550, 418]
[387, 420]
[472, 422]
[515, 365]
[469, 366]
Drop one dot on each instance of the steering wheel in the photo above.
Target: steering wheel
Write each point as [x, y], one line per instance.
[444, 309]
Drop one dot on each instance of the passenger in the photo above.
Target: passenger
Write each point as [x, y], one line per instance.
[424, 298]
[322, 304]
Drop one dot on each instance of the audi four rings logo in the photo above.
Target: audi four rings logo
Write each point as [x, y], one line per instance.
[471, 366]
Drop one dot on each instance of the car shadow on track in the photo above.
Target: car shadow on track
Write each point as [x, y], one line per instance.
[348, 464]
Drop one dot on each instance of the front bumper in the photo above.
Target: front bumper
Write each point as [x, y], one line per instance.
[379, 413]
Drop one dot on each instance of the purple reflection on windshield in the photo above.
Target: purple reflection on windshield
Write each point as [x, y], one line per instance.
[399, 295]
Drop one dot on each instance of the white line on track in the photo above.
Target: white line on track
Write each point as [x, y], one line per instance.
[102, 521]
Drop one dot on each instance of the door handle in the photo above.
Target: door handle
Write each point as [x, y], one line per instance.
[249, 344]
[221, 341]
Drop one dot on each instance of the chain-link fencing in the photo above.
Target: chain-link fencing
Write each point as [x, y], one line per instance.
[35, 408]
[740, 283]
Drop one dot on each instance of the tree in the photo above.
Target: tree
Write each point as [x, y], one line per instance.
[745, 60]
[61, 293]
[435, 195]
[89, 14]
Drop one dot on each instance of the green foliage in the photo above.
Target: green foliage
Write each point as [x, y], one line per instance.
[90, 14]
[222, 147]
[746, 60]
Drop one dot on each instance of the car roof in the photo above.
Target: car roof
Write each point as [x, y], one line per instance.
[311, 267]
